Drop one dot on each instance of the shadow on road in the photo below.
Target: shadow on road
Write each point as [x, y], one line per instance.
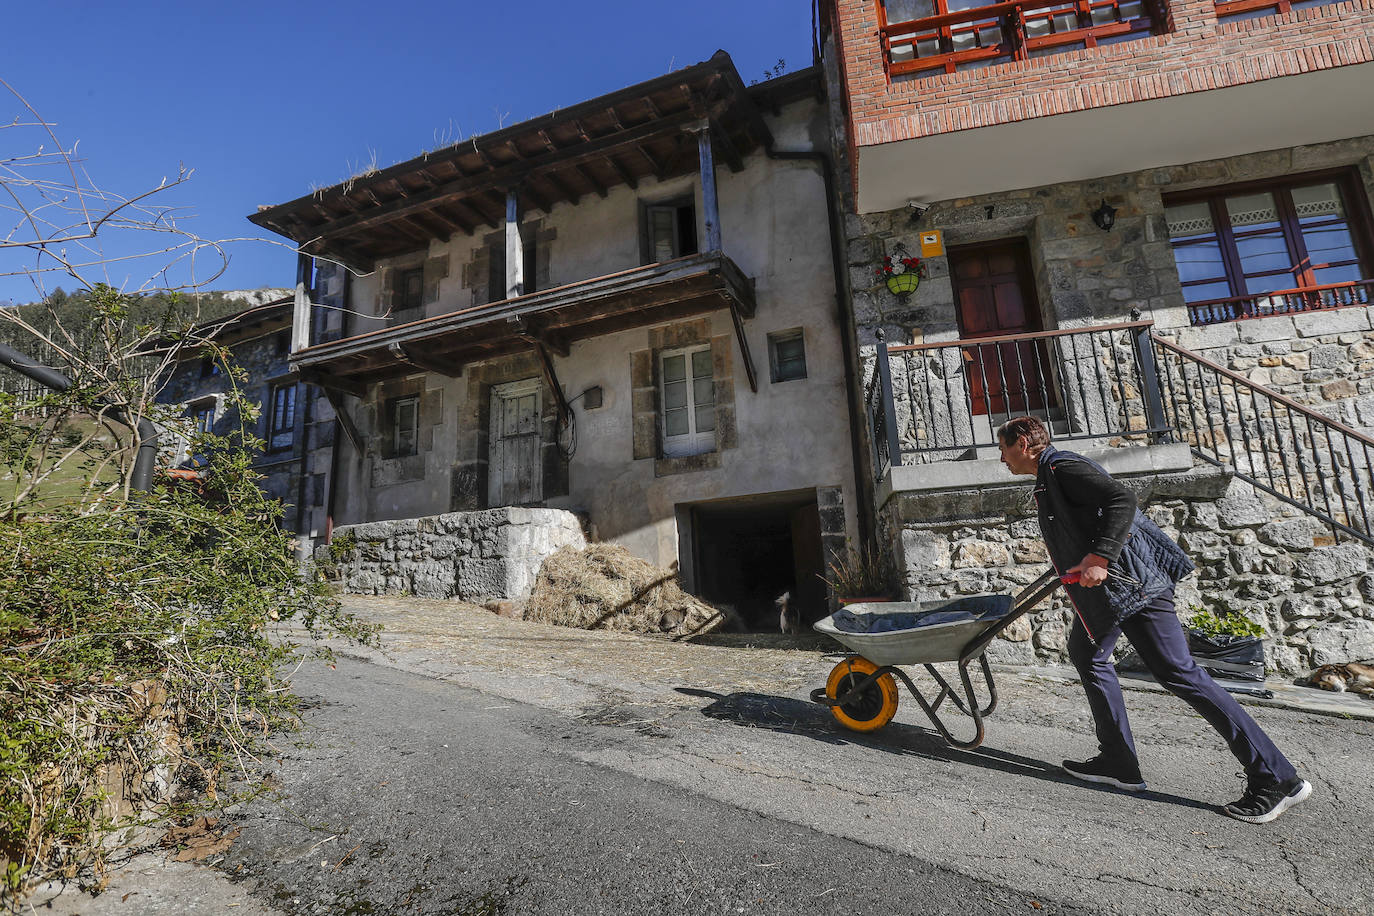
[799, 717]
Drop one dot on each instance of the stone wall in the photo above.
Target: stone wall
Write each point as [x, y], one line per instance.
[1280, 567]
[495, 553]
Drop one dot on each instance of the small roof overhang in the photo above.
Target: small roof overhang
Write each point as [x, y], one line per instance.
[552, 318]
[620, 138]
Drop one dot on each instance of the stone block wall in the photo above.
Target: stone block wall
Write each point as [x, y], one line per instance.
[495, 553]
[1311, 593]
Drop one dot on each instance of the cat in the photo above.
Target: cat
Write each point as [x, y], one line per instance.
[789, 615]
[1355, 677]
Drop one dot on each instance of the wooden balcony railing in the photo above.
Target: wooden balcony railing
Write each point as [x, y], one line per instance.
[1282, 302]
[1230, 10]
[1012, 30]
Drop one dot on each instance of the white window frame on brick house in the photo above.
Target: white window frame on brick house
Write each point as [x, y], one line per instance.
[687, 401]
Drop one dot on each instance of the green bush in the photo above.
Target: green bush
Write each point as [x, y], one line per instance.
[137, 636]
[1224, 622]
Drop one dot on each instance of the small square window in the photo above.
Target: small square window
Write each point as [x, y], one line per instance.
[670, 230]
[209, 367]
[787, 355]
[405, 426]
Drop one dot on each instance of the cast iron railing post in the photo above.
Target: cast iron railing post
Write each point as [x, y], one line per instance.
[1149, 382]
[894, 447]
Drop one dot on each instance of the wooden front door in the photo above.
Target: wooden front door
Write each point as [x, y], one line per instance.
[515, 476]
[994, 290]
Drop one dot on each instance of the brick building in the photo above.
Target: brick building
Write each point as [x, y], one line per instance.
[1064, 169]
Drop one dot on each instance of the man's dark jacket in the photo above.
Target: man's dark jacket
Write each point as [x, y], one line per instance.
[1082, 511]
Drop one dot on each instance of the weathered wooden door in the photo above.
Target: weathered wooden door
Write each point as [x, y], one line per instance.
[995, 292]
[515, 471]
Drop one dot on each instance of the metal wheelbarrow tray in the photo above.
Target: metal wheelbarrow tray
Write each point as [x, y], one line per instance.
[861, 691]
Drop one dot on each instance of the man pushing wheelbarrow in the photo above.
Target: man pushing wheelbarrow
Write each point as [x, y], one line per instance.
[1119, 571]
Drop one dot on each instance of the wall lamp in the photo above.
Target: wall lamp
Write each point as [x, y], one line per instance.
[1104, 217]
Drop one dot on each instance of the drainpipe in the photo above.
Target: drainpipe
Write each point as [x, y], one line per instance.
[848, 345]
[51, 378]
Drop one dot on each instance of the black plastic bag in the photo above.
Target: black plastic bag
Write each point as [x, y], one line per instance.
[1237, 658]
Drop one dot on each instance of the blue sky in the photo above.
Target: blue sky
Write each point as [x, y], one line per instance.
[265, 100]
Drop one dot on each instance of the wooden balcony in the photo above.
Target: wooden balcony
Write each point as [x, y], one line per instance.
[1282, 302]
[550, 320]
[1012, 30]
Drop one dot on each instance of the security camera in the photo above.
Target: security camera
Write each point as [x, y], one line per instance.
[918, 210]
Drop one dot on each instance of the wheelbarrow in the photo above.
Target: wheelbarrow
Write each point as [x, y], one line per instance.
[861, 691]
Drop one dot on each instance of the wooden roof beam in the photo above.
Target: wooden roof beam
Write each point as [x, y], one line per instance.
[480, 216]
[648, 157]
[502, 176]
[563, 190]
[591, 179]
[727, 147]
[620, 170]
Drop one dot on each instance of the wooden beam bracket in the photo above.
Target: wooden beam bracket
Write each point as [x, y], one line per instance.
[411, 358]
[345, 421]
[331, 382]
[748, 358]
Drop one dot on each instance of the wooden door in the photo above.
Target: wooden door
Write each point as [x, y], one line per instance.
[994, 290]
[515, 472]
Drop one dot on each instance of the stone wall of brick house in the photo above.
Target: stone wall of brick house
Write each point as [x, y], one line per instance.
[1313, 595]
[494, 553]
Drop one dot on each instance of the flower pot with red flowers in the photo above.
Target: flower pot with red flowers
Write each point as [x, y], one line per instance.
[902, 272]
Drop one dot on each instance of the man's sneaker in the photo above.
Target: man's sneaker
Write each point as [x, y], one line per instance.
[1262, 802]
[1124, 774]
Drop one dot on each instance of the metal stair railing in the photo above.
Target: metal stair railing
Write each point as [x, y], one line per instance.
[1270, 441]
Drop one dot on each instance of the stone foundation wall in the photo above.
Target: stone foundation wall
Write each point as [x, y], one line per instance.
[1313, 595]
[495, 553]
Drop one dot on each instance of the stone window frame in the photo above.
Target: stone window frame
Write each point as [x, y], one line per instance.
[646, 416]
[695, 441]
[470, 473]
[395, 419]
[775, 364]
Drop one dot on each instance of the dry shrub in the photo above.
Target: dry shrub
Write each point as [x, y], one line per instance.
[605, 587]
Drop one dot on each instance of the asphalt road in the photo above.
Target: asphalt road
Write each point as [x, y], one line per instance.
[442, 800]
[527, 769]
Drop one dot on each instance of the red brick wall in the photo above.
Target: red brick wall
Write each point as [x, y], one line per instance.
[1198, 54]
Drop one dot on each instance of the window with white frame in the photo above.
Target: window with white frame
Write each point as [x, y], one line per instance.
[405, 426]
[281, 427]
[688, 401]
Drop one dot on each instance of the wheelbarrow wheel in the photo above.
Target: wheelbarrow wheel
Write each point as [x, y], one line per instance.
[873, 708]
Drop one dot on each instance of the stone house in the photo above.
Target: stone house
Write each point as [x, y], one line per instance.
[1149, 223]
[259, 341]
[626, 310]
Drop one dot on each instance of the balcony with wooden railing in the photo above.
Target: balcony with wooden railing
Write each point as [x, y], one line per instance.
[1233, 10]
[958, 36]
[1282, 302]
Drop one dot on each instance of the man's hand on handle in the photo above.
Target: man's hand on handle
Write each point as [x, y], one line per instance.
[1091, 571]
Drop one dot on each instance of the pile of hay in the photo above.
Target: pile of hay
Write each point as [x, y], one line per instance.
[606, 588]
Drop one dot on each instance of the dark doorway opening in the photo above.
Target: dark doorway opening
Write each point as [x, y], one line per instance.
[748, 551]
